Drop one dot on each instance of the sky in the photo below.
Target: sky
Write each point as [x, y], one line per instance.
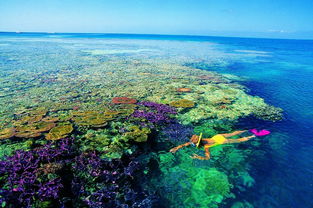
[243, 18]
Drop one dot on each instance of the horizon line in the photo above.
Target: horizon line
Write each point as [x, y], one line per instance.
[151, 34]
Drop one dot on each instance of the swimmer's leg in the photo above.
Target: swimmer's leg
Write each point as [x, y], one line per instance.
[243, 139]
[233, 133]
[207, 152]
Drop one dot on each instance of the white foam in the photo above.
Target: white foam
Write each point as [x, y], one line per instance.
[252, 51]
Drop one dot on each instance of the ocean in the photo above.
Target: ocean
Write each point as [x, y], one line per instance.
[36, 67]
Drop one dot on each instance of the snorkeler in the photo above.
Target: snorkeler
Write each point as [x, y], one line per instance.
[218, 139]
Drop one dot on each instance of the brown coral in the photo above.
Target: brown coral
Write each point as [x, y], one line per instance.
[30, 119]
[223, 101]
[27, 134]
[7, 133]
[138, 135]
[59, 132]
[39, 111]
[25, 128]
[50, 119]
[183, 103]
[43, 126]
[91, 118]
[183, 90]
[33, 129]
[223, 107]
[123, 100]
[112, 113]
[120, 112]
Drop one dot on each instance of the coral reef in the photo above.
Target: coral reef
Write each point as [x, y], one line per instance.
[101, 183]
[212, 127]
[8, 149]
[177, 132]
[154, 113]
[197, 187]
[47, 175]
[136, 134]
[24, 182]
[91, 119]
[7, 133]
[183, 103]
[59, 132]
[123, 112]
[267, 112]
[123, 100]
[183, 90]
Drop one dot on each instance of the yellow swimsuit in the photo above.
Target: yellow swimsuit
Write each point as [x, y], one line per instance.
[218, 139]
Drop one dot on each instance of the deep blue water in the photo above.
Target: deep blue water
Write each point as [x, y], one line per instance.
[284, 79]
[281, 72]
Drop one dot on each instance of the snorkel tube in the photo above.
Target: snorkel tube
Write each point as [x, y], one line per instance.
[199, 140]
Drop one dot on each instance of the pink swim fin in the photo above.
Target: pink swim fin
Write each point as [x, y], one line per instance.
[260, 133]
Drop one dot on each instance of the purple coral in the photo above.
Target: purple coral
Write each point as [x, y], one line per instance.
[160, 108]
[177, 132]
[50, 189]
[151, 117]
[156, 113]
[112, 185]
[23, 177]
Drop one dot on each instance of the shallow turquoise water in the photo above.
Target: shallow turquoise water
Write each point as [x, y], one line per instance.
[280, 71]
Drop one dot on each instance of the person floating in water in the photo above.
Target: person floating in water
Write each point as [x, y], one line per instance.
[216, 140]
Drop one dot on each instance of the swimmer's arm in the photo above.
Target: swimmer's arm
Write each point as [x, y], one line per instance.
[207, 154]
[173, 150]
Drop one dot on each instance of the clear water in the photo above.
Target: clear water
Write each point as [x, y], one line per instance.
[283, 77]
[280, 71]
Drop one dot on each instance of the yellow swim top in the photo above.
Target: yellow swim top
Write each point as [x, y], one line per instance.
[218, 139]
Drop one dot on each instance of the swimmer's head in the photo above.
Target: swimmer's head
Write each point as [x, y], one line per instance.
[194, 139]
